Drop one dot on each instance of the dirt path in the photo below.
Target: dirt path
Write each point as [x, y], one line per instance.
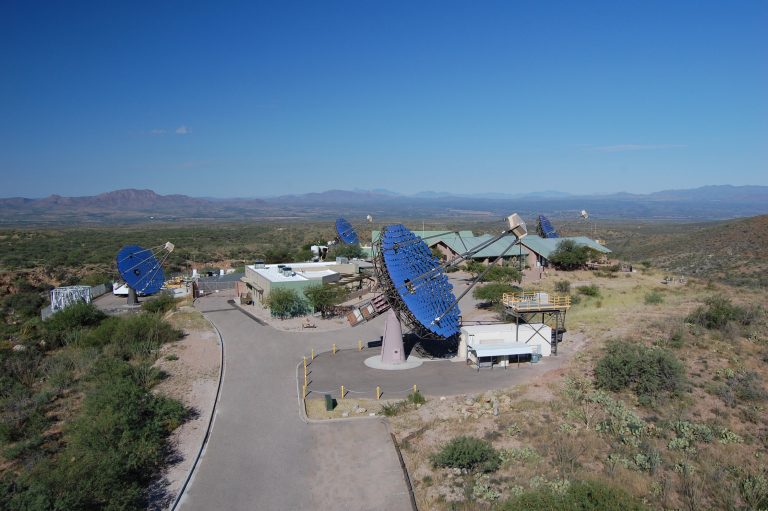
[193, 365]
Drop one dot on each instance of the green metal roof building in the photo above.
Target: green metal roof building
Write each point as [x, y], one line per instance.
[451, 244]
[541, 248]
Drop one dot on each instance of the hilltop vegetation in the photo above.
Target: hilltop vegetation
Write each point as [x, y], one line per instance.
[732, 252]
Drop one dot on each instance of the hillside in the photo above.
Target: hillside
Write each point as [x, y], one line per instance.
[732, 251]
[133, 206]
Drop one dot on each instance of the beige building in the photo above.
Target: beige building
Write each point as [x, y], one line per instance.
[260, 279]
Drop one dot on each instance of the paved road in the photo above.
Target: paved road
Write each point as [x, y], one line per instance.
[262, 456]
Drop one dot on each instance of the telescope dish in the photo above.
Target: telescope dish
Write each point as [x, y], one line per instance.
[545, 228]
[346, 232]
[415, 284]
[584, 214]
[140, 268]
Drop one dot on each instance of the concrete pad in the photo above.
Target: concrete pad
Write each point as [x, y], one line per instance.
[375, 362]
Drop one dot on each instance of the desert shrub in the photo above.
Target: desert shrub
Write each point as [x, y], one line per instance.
[132, 336]
[676, 336]
[654, 298]
[467, 453]
[416, 398]
[23, 304]
[648, 372]
[162, 303]
[23, 414]
[741, 387]
[591, 290]
[392, 409]
[579, 496]
[60, 327]
[286, 303]
[118, 442]
[718, 311]
[563, 286]
[754, 491]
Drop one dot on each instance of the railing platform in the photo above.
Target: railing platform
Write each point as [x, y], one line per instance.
[536, 302]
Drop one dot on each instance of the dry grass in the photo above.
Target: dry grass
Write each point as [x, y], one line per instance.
[316, 408]
[187, 318]
[549, 440]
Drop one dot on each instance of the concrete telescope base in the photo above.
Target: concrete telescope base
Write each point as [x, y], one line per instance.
[375, 362]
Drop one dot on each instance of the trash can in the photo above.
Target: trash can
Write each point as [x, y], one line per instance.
[328, 403]
[535, 357]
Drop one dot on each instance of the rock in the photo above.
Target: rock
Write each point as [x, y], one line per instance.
[442, 398]
[496, 411]
[372, 414]
[19, 347]
[469, 400]
[345, 414]
[418, 405]
[360, 410]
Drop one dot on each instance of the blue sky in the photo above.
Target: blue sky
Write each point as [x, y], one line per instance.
[264, 98]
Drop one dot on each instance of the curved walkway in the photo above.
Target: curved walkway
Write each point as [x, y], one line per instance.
[261, 455]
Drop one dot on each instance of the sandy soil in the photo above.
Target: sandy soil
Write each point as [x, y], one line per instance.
[193, 380]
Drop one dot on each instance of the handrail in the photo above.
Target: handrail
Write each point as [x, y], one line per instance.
[536, 300]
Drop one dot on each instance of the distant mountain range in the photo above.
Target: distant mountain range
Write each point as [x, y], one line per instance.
[132, 206]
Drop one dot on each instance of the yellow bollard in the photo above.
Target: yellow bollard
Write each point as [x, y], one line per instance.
[304, 392]
[313, 353]
[359, 345]
[342, 392]
[378, 392]
[334, 348]
[305, 364]
[414, 388]
[305, 378]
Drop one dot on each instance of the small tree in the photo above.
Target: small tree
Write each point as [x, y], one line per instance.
[324, 298]
[286, 303]
[569, 256]
[475, 268]
[493, 292]
[503, 274]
